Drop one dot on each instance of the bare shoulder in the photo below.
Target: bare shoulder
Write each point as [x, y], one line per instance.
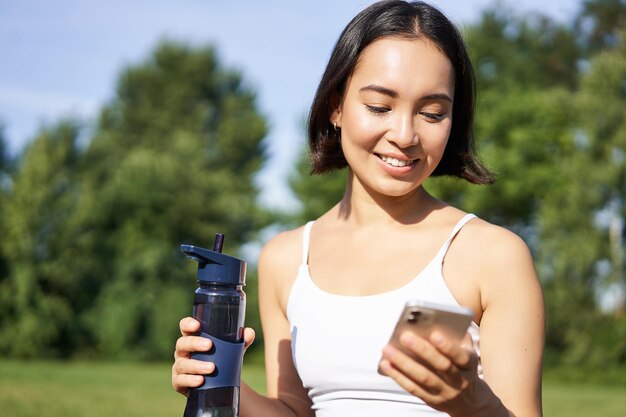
[279, 261]
[283, 249]
[496, 259]
[492, 243]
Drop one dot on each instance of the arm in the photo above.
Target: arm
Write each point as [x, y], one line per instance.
[278, 266]
[511, 328]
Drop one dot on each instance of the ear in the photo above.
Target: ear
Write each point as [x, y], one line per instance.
[335, 114]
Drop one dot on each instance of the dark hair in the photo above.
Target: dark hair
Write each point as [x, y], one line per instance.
[395, 18]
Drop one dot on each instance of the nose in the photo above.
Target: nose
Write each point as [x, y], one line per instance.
[403, 131]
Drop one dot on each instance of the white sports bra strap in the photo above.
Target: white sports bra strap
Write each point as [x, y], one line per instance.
[305, 242]
[457, 227]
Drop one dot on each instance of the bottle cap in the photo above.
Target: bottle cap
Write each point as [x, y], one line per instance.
[214, 266]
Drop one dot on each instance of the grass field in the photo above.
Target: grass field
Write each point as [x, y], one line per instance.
[86, 389]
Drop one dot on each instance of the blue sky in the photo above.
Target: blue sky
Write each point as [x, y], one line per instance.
[61, 57]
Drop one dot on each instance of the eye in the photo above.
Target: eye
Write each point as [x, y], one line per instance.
[433, 117]
[377, 109]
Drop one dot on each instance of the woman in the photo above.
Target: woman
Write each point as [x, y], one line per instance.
[395, 106]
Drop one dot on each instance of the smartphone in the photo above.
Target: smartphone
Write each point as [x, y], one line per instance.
[423, 318]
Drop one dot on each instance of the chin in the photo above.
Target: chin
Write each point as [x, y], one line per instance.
[395, 191]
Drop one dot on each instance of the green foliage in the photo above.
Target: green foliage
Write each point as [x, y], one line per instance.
[36, 299]
[5, 159]
[5, 184]
[172, 161]
[520, 136]
[514, 53]
[600, 23]
[317, 193]
[93, 233]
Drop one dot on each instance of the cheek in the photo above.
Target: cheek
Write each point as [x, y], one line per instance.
[434, 138]
[360, 128]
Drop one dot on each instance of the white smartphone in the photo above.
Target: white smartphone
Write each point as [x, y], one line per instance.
[423, 318]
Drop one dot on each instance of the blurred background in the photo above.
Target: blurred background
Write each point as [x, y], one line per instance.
[128, 128]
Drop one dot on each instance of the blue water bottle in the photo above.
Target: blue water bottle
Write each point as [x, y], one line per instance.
[219, 305]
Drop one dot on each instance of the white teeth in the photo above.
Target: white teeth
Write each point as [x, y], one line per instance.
[396, 162]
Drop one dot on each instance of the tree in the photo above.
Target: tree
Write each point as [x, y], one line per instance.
[36, 297]
[5, 159]
[600, 23]
[172, 161]
[92, 232]
[601, 103]
[517, 52]
[317, 193]
[5, 184]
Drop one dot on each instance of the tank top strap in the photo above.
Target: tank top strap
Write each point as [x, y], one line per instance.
[305, 242]
[444, 248]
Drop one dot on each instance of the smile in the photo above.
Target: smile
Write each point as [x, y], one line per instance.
[396, 162]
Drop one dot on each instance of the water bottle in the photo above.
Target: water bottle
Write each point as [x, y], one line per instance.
[219, 305]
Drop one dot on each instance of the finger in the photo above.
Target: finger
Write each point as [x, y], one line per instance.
[189, 326]
[193, 367]
[186, 345]
[410, 373]
[461, 356]
[412, 386]
[182, 383]
[248, 336]
[427, 353]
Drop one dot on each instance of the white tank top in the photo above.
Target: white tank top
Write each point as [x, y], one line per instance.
[337, 340]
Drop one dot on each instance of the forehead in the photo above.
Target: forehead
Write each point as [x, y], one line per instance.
[404, 63]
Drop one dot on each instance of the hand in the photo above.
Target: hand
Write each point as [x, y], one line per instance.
[186, 372]
[440, 371]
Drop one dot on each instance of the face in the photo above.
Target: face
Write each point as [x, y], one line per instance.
[396, 114]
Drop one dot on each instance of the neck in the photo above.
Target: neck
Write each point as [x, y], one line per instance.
[363, 205]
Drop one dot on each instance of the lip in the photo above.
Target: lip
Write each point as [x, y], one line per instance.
[393, 170]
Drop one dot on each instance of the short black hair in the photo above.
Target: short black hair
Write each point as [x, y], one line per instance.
[400, 19]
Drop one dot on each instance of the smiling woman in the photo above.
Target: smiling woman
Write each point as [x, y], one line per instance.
[394, 107]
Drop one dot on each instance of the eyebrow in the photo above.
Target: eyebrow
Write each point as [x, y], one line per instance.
[379, 89]
[438, 96]
[394, 94]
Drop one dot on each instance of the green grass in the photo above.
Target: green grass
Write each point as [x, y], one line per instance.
[93, 389]
[578, 400]
[575, 392]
